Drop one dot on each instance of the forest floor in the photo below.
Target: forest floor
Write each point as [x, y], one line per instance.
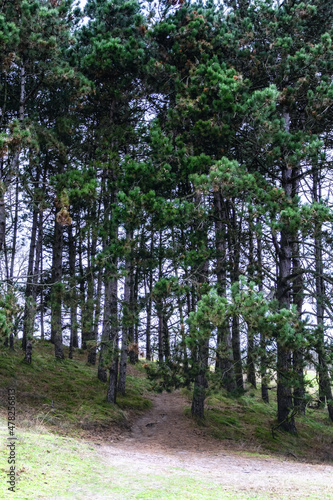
[72, 444]
[165, 441]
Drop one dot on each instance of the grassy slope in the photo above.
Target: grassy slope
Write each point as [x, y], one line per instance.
[248, 422]
[66, 395]
[66, 398]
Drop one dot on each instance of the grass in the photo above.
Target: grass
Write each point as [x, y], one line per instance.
[54, 467]
[66, 394]
[61, 402]
[66, 397]
[247, 422]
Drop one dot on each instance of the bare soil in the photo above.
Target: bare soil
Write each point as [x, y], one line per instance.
[165, 438]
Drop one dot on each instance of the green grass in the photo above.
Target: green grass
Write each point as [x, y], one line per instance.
[61, 402]
[50, 466]
[66, 395]
[248, 422]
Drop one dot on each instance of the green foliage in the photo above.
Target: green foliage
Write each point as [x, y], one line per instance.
[10, 312]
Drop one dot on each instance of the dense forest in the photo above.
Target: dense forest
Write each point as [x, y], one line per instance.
[165, 191]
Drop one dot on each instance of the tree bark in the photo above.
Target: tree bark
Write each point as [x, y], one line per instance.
[30, 293]
[202, 349]
[127, 320]
[74, 342]
[251, 373]
[284, 353]
[325, 390]
[57, 292]
[92, 358]
[234, 252]
[224, 360]
[263, 349]
[250, 364]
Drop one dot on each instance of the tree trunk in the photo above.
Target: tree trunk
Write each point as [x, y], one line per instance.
[263, 351]
[57, 292]
[30, 306]
[160, 331]
[202, 348]
[251, 372]
[109, 347]
[12, 261]
[325, 390]
[149, 312]
[224, 360]
[127, 320]
[284, 353]
[93, 353]
[135, 314]
[2, 217]
[250, 363]
[298, 356]
[234, 252]
[88, 339]
[159, 304]
[200, 385]
[110, 328]
[113, 342]
[74, 342]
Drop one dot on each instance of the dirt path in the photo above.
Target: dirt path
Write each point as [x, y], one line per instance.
[164, 439]
[165, 427]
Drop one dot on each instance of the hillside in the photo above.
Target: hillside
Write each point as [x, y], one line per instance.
[66, 397]
[148, 446]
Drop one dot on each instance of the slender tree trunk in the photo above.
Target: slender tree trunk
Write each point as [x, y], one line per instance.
[180, 308]
[159, 305]
[16, 206]
[297, 291]
[87, 298]
[113, 339]
[149, 304]
[42, 330]
[30, 306]
[2, 217]
[74, 342]
[263, 349]
[251, 373]
[127, 320]
[284, 353]
[82, 291]
[201, 358]
[202, 348]
[57, 292]
[325, 390]
[298, 356]
[224, 360]
[234, 252]
[93, 353]
[250, 368]
[89, 320]
[160, 331]
[109, 355]
[135, 313]
[134, 348]
[166, 338]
